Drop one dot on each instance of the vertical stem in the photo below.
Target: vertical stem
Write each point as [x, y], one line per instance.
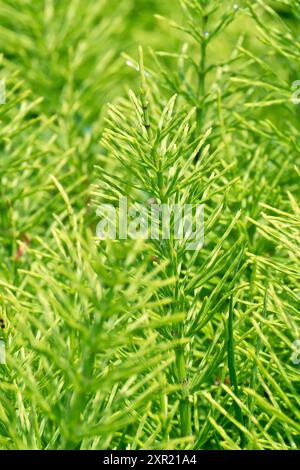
[231, 356]
[202, 76]
[143, 93]
[232, 370]
[79, 399]
[184, 407]
[254, 375]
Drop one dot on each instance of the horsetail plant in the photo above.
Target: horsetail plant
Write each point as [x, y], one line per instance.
[172, 322]
[157, 148]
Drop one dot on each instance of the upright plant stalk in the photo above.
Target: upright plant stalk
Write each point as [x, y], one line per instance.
[202, 74]
[180, 364]
[232, 370]
[254, 375]
[231, 358]
[143, 93]
[184, 406]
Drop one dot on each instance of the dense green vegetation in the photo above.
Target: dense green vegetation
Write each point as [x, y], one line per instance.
[143, 344]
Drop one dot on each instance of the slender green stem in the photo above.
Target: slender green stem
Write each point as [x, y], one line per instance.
[254, 375]
[202, 76]
[231, 356]
[232, 369]
[143, 93]
[79, 399]
[184, 407]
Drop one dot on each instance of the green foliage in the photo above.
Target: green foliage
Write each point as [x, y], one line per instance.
[141, 344]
